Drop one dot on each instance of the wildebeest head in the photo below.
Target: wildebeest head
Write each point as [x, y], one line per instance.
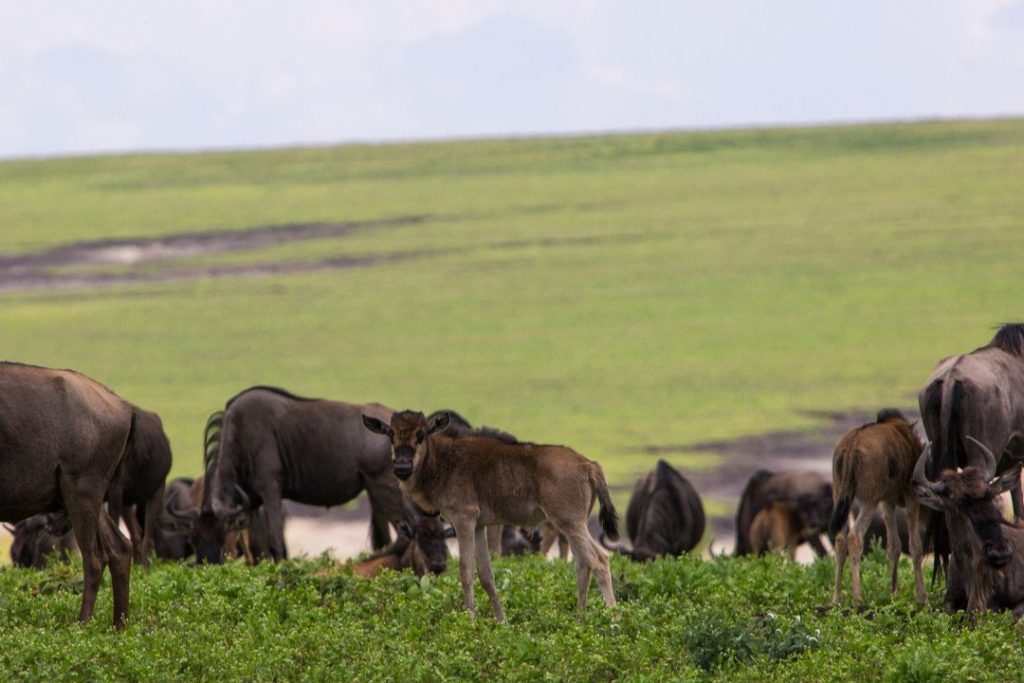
[968, 496]
[208, 529]
[36, 537]
[427, 549]
[408, 432]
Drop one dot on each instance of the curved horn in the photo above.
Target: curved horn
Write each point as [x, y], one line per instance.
[990, 459]
[10, 529]
[920, 473]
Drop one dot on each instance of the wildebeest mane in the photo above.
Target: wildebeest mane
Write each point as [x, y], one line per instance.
[459, 427]
[274, 390]
[1009, 338]
[887, 414]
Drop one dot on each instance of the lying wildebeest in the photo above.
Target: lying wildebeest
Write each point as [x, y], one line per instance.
[980, 394]
[873, 465]
[137, 492]
[665, 515]
[422, 548]
[808, 492]
[986, 570]
[276, 445]
[502, 540]
[63, 437]
[37, 537]
[781, 526]
[476, 482]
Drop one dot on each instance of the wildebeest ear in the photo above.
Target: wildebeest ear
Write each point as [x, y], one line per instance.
[403, 528]
[1006, 481]
[10, 529]
[375, 425]
[439, 423]
[928, 496]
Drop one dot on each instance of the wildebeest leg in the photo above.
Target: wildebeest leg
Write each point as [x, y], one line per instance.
[152, 508]
[914, 528]
[603, 573]
[465, 532]
[483, 568]
[586, 559]
[118, 550]
[494, 539]
[275, 526]
[1018, 612]
[841, 551]
[892, 543]
[856, 547]
[83, 501]
[135, 534]
[817, 545]
[385, 507]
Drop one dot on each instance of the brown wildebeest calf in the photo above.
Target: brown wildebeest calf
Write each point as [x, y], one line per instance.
[873, 465]
[422, 548]
[476, 482]
[986, 570]
[779, 527]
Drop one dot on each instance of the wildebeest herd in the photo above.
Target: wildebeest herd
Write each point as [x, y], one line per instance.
[76, 461]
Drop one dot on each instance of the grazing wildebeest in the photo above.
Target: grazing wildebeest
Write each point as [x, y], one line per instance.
[275, 445]
[873, 465]
[809, 492]
[137, 492]
[39, 536]
[781, 526]
[476, 482]
[171, 536]
[665, 515]
[62, 438]
[986, 570]
[422, 548]
[980, 394]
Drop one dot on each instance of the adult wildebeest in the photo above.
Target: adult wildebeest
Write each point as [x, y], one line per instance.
[503, 539]
[422, 548]
[476, 482]
[171, 536]
[137, 492]
[986, 570]
[980, 394]
[665, 515]
[873, 465]
[37, 537]
[808, 492]
[276, 445]
[62, 438]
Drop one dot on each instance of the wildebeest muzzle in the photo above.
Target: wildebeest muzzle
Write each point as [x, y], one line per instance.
[403, 461]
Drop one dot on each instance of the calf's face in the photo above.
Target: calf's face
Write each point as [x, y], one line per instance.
[408, 432]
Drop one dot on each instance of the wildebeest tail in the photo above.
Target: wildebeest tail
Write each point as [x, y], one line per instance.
[947, 458]
[606, 514]
[845, 487]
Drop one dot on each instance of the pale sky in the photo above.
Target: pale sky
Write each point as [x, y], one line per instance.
[106, 76]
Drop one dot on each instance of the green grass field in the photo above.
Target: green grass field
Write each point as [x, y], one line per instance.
[607, 292]
[677, 619]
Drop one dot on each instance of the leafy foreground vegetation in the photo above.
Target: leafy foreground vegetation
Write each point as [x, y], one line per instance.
[685, 619]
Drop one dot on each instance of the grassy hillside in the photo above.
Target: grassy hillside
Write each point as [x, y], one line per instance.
[612, 293]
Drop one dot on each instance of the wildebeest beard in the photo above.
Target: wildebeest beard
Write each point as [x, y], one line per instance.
[987, 523]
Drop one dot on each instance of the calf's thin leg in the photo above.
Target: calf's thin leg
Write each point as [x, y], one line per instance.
[465, 533]
[841, 552]
[892, 543]
[483, 568]
[856, 539]
[914, 527]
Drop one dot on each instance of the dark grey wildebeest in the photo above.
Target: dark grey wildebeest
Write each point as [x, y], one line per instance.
[808, 495]
[978, 394]
[62, 438]
[137, 492]
[665, 515]
[476, 482]
[873, 465]
[37, 537]
[986, 569]
[275, 445]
